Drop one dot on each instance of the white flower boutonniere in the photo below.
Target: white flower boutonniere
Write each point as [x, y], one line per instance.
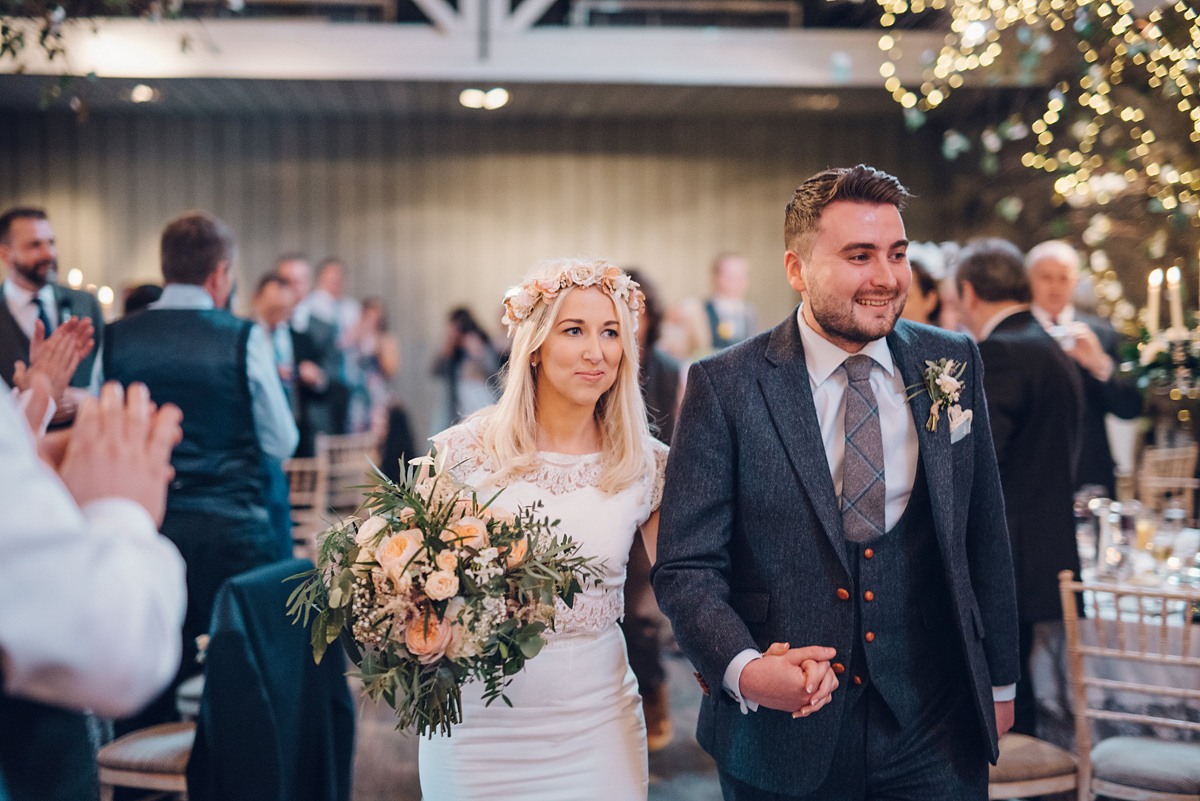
[943, 382]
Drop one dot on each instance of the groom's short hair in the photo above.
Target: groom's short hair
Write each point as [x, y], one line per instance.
[859, 184]
[995, 269]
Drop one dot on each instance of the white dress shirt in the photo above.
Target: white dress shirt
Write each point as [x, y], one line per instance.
[901, 445]
[273, 421]
[341, 313]
[91, 600]
[24, 310]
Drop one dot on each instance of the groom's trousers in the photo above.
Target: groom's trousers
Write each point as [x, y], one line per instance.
[938, 756]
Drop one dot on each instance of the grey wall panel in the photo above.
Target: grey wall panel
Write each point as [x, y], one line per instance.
[431, 213]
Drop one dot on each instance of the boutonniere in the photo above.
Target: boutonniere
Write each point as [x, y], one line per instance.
[943, 382]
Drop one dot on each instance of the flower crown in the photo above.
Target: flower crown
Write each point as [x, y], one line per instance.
[520, 301]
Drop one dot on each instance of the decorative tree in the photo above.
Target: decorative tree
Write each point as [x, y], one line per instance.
[1100, 145]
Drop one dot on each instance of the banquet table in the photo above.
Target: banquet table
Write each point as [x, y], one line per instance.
[1048, 662]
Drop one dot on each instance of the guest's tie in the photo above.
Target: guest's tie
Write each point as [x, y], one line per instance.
[45, 318]
[863, 489]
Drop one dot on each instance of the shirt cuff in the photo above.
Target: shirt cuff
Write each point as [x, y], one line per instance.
[120, 517]
[733, 677]
[1006, 693]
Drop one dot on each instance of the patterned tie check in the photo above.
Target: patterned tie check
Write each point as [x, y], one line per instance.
[45, 318]
[863, 489]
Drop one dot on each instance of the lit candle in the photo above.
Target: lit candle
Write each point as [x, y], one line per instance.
[1176, 300]
[1153, 299]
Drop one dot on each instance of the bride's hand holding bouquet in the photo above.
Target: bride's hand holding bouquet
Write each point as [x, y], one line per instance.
[437, 587]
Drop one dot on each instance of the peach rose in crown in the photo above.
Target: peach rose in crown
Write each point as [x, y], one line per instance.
[469, 532]
[517, 552]
[441, 584]
[427, 636]
[396, 551]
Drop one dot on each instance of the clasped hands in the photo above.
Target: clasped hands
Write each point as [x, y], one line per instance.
[796, 680]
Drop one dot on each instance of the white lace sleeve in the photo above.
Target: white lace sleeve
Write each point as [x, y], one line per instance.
[459, 449]
[661, 452]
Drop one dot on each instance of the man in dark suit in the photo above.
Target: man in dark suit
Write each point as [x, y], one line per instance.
[302, 380]
[1035, 399]
[1092, 343]
[808, 504]
[28, 248]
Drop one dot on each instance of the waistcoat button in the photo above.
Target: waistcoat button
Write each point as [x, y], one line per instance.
[869, 553]
[870, 636]
[870, 596]
[843, 594]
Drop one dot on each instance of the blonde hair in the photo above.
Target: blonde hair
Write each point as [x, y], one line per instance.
[509, 429]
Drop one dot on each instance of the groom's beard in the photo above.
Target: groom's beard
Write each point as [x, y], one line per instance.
[839, 317]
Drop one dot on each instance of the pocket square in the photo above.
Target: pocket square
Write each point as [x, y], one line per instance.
[960, 422]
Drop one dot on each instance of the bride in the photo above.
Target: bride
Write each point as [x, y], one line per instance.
[569, 431]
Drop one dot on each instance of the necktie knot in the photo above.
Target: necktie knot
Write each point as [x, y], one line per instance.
[858, 368]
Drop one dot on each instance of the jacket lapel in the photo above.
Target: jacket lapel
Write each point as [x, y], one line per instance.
[935, 445]
[788, 395]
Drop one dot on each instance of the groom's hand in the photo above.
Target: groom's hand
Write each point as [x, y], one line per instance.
[797, 680]
[1004, 717]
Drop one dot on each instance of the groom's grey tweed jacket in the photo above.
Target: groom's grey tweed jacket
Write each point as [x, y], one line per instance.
[751, 550]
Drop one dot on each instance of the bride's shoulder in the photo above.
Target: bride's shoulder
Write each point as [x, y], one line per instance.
[460, 447]
[660, 452]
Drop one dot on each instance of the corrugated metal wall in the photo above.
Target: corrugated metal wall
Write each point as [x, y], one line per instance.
[432, 213]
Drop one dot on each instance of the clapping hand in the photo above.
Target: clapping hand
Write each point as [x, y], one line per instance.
[121, 447]
[56, 356]
[796, 680]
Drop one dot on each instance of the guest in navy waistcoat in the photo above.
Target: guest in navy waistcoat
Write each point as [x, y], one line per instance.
[220, 370]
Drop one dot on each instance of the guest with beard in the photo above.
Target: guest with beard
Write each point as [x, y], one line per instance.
[1035, 398]
[29, 248]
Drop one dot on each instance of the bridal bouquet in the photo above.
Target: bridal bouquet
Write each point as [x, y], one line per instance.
[434, 588]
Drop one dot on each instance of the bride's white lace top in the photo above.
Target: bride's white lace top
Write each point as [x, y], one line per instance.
[604, 524]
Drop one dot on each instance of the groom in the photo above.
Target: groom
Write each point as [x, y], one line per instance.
[807, 503]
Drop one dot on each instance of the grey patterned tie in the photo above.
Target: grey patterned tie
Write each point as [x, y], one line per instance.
[863, 490]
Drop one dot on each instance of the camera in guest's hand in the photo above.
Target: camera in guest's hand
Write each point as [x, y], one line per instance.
[1063, 335]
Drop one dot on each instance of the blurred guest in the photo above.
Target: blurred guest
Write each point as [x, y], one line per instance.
[373, 360]
[274, 301]
[91, 597]
[296, 357]
[466, 363]
[730, 318]
[141, 296]
[31, 295]
[1035, 400]
[221, 372]
[1092, 343]
[643, 625]
[329, 318]
[924, 303]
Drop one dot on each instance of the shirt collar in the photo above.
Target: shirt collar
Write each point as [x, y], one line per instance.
[183, 296]
[1067, 315]
[823, 357]
[23, 296]
[1000, 317]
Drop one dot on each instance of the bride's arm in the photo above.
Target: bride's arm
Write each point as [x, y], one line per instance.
[650, 536]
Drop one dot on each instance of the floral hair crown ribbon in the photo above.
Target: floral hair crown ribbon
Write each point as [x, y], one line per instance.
[520, 301]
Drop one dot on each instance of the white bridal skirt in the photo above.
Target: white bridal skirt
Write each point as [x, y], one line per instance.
[575, 732]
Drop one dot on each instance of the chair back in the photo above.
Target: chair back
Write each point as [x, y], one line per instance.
[308, 493]
[349, 457]
[1147, 628]
[1168, 470]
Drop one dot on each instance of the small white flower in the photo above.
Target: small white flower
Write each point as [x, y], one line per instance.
[369, 529]
[949, 384]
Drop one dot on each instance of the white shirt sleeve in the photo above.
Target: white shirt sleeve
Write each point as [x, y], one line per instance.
[92, 600]
[733, 678]
[1006, 693]
[273, 421]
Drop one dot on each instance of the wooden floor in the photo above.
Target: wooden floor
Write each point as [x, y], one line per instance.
[385, 762]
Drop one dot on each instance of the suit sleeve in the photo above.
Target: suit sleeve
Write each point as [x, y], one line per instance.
[989, 557]
[691, 577]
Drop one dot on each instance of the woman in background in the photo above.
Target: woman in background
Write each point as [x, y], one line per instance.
[466, 363]
[373, 360]
[924, 303]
